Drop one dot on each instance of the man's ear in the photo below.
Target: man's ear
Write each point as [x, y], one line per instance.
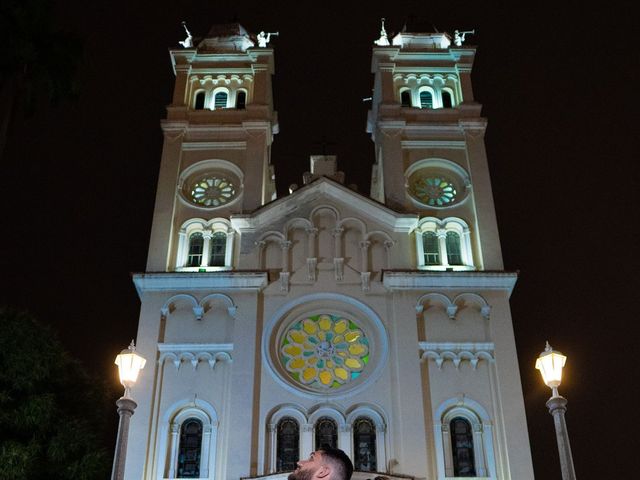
[324, 472]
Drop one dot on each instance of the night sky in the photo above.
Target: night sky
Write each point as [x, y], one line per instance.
[557, 82]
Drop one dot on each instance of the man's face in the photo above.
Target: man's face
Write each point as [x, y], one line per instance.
[308, 468]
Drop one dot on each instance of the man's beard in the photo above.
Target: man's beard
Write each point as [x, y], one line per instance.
[301, 475]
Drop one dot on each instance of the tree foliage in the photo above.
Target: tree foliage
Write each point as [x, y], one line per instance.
[52, 414]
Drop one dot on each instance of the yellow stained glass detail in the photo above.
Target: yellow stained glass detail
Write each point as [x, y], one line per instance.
[341, 373]
[326, 377]
[352, 336]
[293, 350]
[297, 363]
[353, 363]
[323, 351]
[357, 349]
[297, 337]
[309, 374]
[340, 326]
[325, 322]
[309, 326]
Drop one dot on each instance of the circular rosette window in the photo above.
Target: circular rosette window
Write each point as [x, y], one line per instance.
[324, 351]
[212, 191]
[436, 191]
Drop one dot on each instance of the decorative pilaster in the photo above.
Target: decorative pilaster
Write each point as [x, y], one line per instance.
[338, 265]
[448, 451]
[312, 263]
[478, 446]
[173, 448]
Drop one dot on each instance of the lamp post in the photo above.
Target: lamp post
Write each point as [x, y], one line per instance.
[550, 363]
[129, 365]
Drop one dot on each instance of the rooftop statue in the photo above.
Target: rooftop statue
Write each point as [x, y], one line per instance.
[459, 37]
[383, 41]
[265, 38]
[187, 42]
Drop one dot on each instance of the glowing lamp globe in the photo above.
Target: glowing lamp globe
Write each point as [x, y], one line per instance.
[129, 365]
[550, 363]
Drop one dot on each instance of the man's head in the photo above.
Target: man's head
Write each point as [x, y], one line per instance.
[324, 464]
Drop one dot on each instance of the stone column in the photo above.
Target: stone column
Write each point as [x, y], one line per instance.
[442, 246]
[206, 247]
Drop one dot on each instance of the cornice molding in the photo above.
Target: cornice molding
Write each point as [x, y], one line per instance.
[421, 280]
[171, 281]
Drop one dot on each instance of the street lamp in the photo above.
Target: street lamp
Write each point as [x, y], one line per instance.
[550, 363]
[129, 365]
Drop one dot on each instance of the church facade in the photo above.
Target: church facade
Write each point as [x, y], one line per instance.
[377, 324]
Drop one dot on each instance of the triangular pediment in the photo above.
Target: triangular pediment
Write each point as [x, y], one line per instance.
[323, 191]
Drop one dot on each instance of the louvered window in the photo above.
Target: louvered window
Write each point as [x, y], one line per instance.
[220, 100]
[426, 99]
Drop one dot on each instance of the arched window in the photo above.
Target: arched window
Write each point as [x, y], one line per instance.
[218, 249]
[462, 447]
[199, 103]
[190, 449]
[288, 444]
[326, 433]
[454, 253]
[364, 445]
[196, 244]
[241, 100]
[431, 248]
[220, 100]
[447, 101]
[443, 244]
[426, 99]
[405, 98]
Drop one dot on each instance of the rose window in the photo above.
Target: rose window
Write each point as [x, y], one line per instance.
[212, 191]
[435, 191]
[324, 351]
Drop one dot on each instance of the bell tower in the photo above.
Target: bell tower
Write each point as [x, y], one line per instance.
[216, 158]
[429, 138]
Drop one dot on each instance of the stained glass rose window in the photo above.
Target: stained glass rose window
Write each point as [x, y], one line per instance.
[436, 191]
[212, 191]
[324, 351]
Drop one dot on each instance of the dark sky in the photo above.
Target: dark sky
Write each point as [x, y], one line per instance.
[557, 82]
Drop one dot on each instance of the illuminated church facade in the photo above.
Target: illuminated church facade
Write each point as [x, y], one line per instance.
[377, 324]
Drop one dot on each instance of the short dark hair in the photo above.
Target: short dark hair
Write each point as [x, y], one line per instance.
[340, 461]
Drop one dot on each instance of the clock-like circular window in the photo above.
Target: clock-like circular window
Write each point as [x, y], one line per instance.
[435, 191]
[212, 190]
[324, 351]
